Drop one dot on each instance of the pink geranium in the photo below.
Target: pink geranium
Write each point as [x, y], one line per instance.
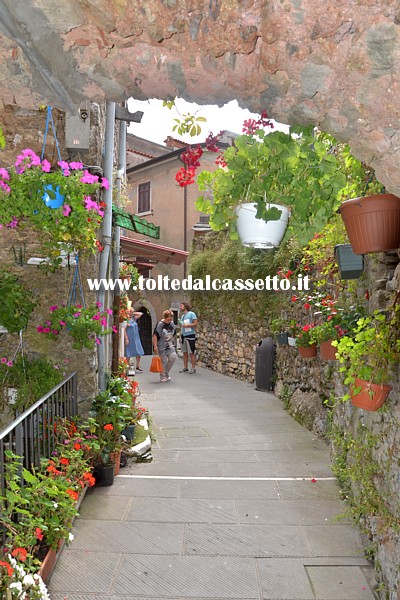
[88, 178]
[66, 209]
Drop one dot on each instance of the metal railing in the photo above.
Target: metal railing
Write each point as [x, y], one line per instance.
[32, 435]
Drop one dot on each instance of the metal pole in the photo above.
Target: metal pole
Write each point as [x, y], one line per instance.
[185, 211]
[106, 229]
[120, 180]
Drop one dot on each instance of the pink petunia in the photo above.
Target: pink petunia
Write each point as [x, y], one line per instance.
[40, 328]
[66, 209]
[115, 329]
[109, 311]
[88, 178]
[4, 174]
[104, 322]
[62, 323]
[55, 331]
[105, 183]
[76, 166]
[10, 363]
[90, 204]
[99, 304]
[13, 223]
[46, 166]
[96, 317]
[55, 307]
[98, 341]
[6, 188]
[77, 314]
[46, 330]
[3, 360]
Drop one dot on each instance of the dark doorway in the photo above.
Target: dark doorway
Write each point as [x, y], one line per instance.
[146, 330]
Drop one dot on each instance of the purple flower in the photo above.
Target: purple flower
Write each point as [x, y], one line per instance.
[13, 223]
[55, 307]
[54, 453]
[105, 183]
[66, 209]
[46, 166]
[88, 178]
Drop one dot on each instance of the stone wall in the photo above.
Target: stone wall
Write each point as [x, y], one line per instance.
[24, 129]
[311, 390]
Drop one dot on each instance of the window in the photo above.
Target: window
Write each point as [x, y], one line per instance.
[144, 197]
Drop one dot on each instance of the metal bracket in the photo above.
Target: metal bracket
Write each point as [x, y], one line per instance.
[123, 114]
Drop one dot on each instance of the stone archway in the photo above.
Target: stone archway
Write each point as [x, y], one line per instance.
[333, 64]
[146, 328]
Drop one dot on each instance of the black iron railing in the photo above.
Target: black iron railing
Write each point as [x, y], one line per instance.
[33, 434]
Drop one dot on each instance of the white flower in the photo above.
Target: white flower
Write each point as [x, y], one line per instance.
[28, 580]
[70, 537]
[55, 504]
[17, 585]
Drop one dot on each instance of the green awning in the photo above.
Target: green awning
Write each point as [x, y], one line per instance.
[134, 223]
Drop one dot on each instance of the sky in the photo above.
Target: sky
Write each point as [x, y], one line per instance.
[158, 121]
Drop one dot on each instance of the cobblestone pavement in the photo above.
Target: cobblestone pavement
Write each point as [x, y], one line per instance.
[238, 503]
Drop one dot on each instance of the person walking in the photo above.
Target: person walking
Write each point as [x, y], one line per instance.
[188, 337]
[163, 343]
[133, 345]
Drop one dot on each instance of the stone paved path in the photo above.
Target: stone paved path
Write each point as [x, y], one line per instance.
[222, 513]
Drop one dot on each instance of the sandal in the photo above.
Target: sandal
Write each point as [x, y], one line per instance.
[139, 369]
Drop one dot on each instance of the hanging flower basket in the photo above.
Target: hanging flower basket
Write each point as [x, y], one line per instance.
[372, 223]
[369, 396]
[60, 205]
[256, 233]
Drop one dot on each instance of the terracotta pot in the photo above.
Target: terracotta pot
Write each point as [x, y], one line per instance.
[372, 223]
[115, 457]
[49, 562]
[328, 352]
[308, 351]
[372, 395]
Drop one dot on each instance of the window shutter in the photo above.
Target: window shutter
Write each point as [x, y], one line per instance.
[144, 197]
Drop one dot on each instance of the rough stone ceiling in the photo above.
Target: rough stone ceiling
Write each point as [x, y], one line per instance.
[335, 64]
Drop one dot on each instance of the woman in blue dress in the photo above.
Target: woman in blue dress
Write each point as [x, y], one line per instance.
[133, 345]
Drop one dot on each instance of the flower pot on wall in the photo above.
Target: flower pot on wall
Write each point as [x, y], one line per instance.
[328, 352]
[256, 233]
[282, 339]
[308, 351]
[292, 341]
[351, 265]
[372, 395]
[372, 223]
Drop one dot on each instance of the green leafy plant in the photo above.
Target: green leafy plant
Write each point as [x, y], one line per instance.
[305, 170]
[129, 270]
[31, 378]
[17, 302]
[44, 502]
[278, 325]
[304, 337]
[370, 350]
[84, 324]
[60, 205]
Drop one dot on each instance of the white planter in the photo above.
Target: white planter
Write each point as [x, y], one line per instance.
[292, 341]
[256, 233]
[3, 329]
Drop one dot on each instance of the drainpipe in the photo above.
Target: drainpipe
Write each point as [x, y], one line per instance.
[106, 231]
[185, 202]
[120, 179]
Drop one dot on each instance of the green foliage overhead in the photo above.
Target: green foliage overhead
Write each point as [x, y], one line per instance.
[305, 170]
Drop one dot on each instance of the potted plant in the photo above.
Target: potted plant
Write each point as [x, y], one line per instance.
[84, 324]
[271, 174]
[277, 327]
[60, 204]
[324, 334]
[372, 223]
[305, 341]
[129, 272]
[367, 356]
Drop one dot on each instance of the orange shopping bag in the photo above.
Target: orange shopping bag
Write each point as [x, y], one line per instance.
[156, 365]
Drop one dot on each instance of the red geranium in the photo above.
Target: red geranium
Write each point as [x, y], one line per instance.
[20, 554]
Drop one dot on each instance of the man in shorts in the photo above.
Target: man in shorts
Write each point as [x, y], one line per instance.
[188, 323]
